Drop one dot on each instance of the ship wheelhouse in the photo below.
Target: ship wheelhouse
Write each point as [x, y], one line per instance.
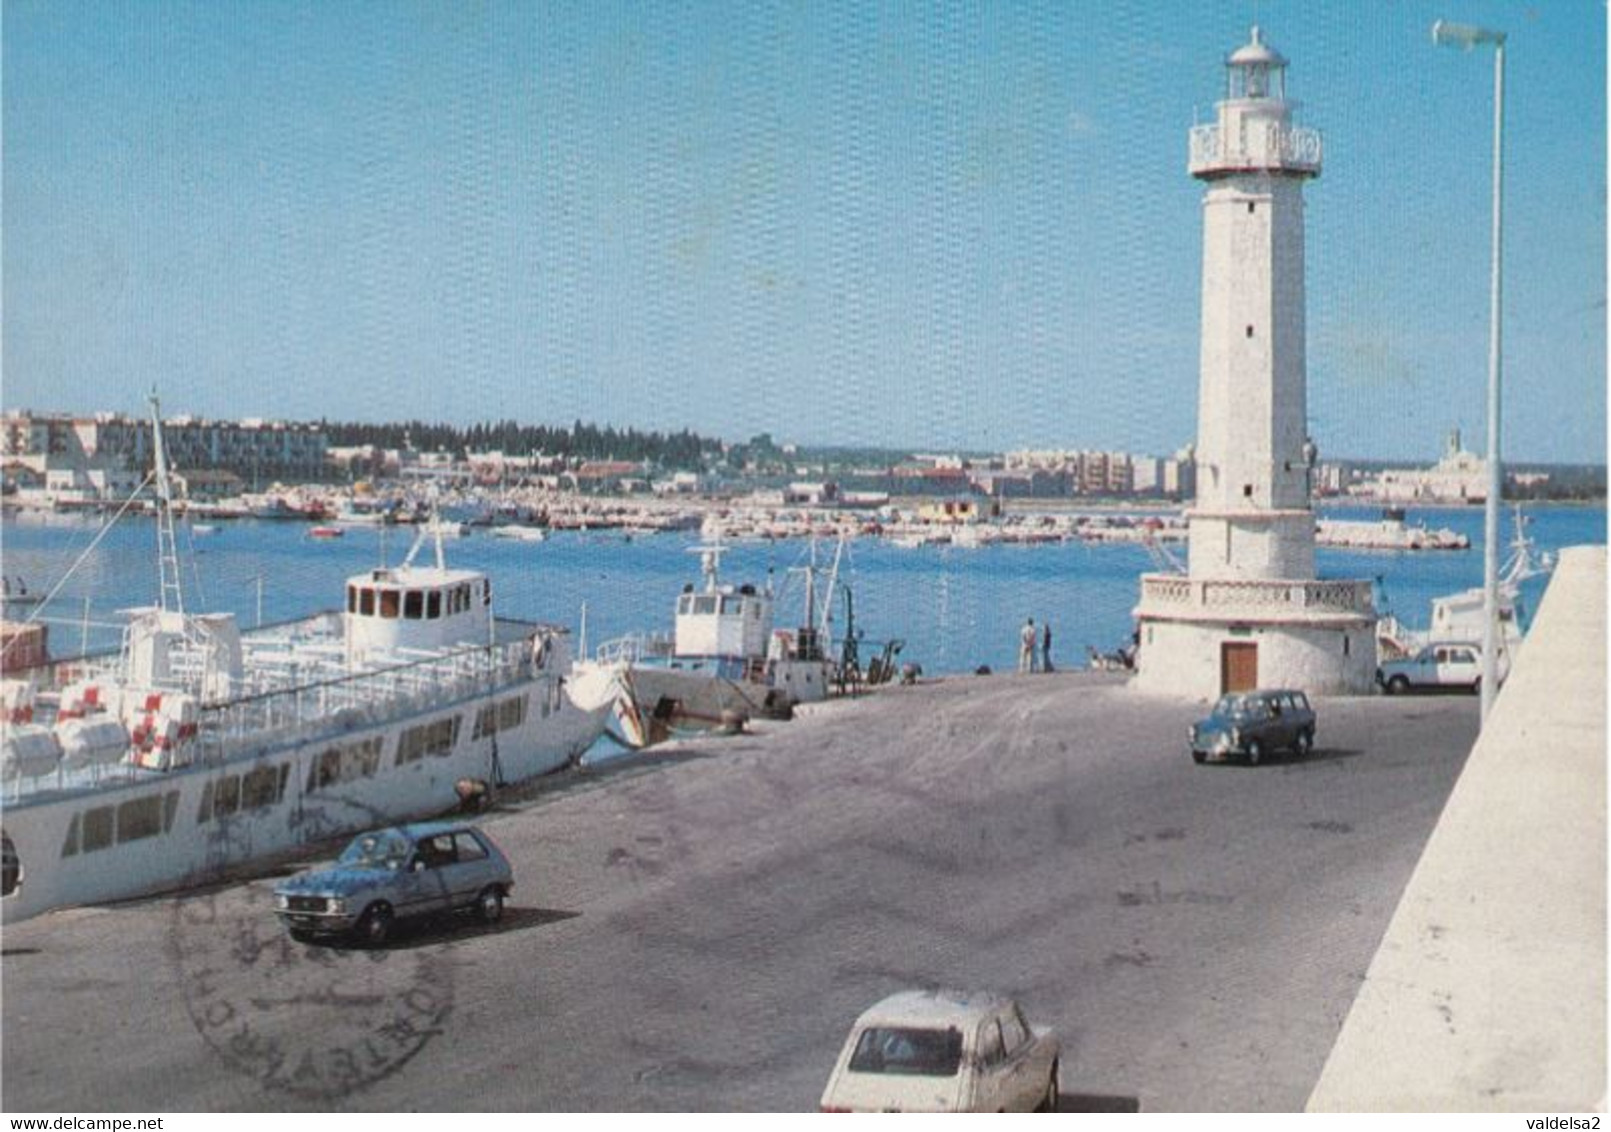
[723, 622]
[408, 608]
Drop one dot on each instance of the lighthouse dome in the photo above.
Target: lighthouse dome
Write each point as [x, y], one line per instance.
[1256, 53]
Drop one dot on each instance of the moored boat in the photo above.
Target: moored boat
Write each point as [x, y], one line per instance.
[723, 664]
[1459, 616]
[199, 749]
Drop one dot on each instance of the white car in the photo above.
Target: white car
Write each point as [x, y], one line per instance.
[1447, 664]
[945, 1051]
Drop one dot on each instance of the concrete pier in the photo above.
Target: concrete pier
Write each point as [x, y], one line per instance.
[1489, 990]
[696, 928]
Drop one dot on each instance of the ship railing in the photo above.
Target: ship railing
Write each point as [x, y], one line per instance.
[1166, 593]
[346, 702]
[635, 647]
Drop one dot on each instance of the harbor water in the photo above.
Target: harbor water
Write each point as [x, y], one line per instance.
[955, 609]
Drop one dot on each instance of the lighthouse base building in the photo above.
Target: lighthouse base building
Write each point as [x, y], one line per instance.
[1250, 612]
[1205, 638]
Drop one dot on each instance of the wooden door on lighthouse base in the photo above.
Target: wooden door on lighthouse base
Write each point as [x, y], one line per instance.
[1238, 666]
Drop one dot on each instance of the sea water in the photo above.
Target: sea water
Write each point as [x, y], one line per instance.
[954, 610]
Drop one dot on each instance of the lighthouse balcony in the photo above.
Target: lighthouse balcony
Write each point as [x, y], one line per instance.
[1179, 598]
[1254, 148]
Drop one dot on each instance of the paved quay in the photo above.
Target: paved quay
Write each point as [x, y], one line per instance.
[696, 929]
[1489, 990]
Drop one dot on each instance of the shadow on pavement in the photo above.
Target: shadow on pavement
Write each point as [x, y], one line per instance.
[1096, 1102]
[429, 931]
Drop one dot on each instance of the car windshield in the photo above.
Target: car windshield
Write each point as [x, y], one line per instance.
[1234, 705]
[376, 851]
[920, 1053]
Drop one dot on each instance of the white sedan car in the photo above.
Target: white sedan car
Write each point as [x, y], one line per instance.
[1447, 664]
[945, 1051]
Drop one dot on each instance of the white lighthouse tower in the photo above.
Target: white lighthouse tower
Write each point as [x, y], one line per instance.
[1250, 611]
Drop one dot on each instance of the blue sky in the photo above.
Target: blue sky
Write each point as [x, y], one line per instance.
[939, 226]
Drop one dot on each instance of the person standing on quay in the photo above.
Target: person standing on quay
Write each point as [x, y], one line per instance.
[1046, 647]
[1026, 647]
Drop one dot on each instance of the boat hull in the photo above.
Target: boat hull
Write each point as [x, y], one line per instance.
[167, 830]
[655, 702]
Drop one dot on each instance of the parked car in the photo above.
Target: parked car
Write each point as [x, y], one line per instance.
[944, 1051]
[1447, 664]
[392, 874]
[1251, 724]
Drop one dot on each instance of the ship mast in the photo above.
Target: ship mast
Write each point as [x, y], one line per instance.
[170, 594]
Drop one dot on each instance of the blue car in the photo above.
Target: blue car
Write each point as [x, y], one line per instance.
[1250, 724]
[387, 875]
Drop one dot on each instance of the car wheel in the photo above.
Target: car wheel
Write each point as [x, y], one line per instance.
[1398, 685]
[1198, 757]
[1049, 1101]
[1255, 752]
[1306, 742]
[489, 905]
[375, 925]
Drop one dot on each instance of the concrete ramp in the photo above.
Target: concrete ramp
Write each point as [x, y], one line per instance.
[1488, 992]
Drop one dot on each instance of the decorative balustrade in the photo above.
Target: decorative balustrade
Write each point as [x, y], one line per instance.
[1257, 145]
[1172, 595]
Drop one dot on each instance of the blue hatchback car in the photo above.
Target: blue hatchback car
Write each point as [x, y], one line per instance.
[387, 875]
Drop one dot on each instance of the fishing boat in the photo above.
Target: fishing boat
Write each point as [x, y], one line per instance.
[724, 663]
[198, 749]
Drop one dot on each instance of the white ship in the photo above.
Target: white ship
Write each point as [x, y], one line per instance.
[199, 748]
[725, 664]
[1458, 617]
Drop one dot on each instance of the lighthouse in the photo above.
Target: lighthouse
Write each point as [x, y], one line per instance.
[1250, 611]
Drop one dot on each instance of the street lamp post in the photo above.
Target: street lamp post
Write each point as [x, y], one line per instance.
[1466, 37]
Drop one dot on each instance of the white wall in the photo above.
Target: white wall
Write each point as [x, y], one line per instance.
[1183, 658]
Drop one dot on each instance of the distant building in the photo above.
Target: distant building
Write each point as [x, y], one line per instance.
[1459, 477]
[1178, 474]
[1021, 483]
[680, 483]
[207, 484]
[958, 511]
[609, 475]
[110, 441]
[811, 494]
[930, 479]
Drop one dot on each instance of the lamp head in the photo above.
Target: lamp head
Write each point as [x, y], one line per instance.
[1464, 36]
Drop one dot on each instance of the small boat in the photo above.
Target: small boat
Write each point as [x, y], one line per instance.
[203, 529]
[326, 532]
[519, 532]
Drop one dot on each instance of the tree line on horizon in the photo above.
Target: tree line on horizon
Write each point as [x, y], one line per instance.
[685, 449]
